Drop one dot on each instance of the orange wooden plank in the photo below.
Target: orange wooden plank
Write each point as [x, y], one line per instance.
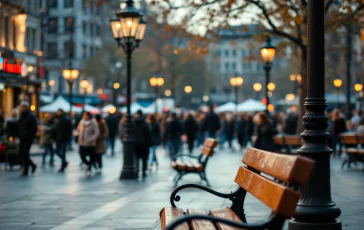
[200, 224]
[169, 214]
[225, 213]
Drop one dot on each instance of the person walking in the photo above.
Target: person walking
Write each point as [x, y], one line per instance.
[201, 128]
[156, 138]
[28, 129]
[291, 122]
[62, 131]
[229, 130]
[46, 140]
[173, 133]
[190, 129]
[338, 127]
[212, 123]
[241, 130]
[112, 122]
[12, 125]
[143, 140]
[101, 141]
[265, 133]
[88, 132]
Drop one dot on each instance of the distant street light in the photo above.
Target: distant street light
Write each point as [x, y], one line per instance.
[257, 88]
[70, 75]
[168, 93]
[205, 98]
[115, 86]
[296, 79]
[337, 83]
[188, 89]
[359, 89]
[268, 52]
[84, 85]
[236, 82]
[156, 81]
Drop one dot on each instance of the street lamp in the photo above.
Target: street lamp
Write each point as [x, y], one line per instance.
[168, 93]
[188, 89]
[156, 82]
[338, 83]
[84, 85]
[128, 30]
[296, 79]
[257, 88]
[51, 84]
[316, 210]
[359, 89]
[236, 82]
[268, 52]
[116, 87]
[70, 75]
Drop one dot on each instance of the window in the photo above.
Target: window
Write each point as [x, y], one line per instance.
[68, 3]
[52, 3]
[91, 31]
[52, 25]
[226, 53]
[52, 49]
[6, 30]
[84, 51]
[227, 66]
[68, 50]
[68, 24]
[97, 30]
[249, 66]
[34, 39]
[84, 28]
[234, 53]
[13, 27]
[86, 4]
[233, 66]
[258, 66]
[243, 52]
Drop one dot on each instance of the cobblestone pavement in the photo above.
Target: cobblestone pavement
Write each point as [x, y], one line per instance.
[72, 201]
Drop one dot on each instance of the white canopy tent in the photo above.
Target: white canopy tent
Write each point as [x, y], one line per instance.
[251, 105]
[134, 107]
[91, 109]
[59, 103]
[227, 107]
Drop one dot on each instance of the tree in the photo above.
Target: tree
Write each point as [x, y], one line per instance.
[284, 18]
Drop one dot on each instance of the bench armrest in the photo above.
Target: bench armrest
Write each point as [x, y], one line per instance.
[174, 197]
[253, 226]
[184, 155]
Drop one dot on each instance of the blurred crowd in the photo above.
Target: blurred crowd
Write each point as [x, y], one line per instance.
[96, 135]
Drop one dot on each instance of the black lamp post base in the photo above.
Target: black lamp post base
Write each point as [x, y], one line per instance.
[128, 173]
[294, 225]
[129, 170]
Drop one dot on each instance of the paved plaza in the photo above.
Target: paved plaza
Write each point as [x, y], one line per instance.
[72, 201]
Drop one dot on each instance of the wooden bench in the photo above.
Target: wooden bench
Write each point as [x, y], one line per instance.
[351, 144]
[185, 164]
[281, 197]
[288, 143]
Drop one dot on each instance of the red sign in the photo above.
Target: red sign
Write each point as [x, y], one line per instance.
[11, 68]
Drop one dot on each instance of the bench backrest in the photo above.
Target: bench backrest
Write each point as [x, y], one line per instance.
[352, 139]
[208, 148]
[292, 140]
[294, 170]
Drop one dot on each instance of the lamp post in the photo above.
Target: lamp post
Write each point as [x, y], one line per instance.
[359, 89]
[338, 83]
[156, 81]
[51, 84]
[236, 82]
[257, 88]
[116, 87]
[128, 30]
[70, 75]
[84, 84]
[296, 79]
[268, 52]
[316, 210]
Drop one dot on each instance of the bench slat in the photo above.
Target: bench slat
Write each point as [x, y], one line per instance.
[200, 224]
[211, 143]
[293, 140]
[284, 167]
[279, 198]
[207, 151]
[169, 214]
[225, 213]
[197, 166]
[348, 139]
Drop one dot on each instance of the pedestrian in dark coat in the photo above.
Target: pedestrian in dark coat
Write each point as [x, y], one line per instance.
[100, 141]
[242, 131]
[173, 133]
[112, 121]
[212, 123]
[28, 129]
[47, 140]
[190, 128]
[229, 129]
[156, 138]
[12, 125]
[265, 133]
[62, 134]
[143, 139]
[291, 124]
[338, 127]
